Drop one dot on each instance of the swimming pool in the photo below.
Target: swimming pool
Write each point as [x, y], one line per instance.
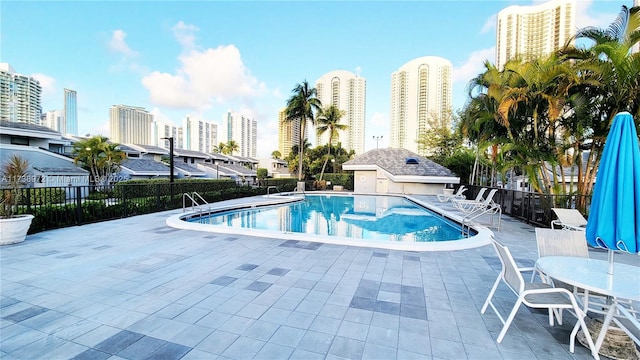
[385, 221]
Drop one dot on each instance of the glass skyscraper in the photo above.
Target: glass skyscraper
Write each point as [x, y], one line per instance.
[70, 112]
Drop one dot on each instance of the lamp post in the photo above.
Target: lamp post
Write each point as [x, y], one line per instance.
[377, 138]
[170, 157]
[333, 165]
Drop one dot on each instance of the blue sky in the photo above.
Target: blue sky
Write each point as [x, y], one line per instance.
[206, 57]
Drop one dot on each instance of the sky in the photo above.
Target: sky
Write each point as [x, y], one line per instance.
[204, 58]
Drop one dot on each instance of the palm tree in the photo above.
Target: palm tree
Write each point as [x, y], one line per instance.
[302, 106]
[219, 148]
[329, 120]
[610, 74]
[231, 147]
[99, 156]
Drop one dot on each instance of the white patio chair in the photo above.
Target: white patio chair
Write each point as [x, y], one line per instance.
[570, 219]
[462, 202]
[534, 295]
[472, 206]
[457, 195]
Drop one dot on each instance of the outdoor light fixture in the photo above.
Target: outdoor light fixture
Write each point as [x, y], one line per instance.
[170, 157]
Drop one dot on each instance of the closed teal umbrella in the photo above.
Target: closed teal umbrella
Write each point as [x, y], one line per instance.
[614, 216]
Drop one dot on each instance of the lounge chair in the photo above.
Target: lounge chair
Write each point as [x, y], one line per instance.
[534, 295]
[457, 195]
[470, 206]
[460, 202]
[570, 219]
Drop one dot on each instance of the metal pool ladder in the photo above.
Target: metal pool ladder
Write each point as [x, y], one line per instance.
[194, 196]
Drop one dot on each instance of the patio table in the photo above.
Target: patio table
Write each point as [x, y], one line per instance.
[621, 289]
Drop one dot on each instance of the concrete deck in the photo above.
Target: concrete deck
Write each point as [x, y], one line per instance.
[136, 289]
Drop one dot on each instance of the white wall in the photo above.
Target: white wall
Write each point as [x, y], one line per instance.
[364, 181]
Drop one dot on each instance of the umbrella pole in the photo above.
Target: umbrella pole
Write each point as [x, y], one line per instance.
[610, 271]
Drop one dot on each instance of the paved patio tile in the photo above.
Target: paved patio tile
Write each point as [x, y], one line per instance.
[316, 342]
[217, 342]
[21, 340]
[261, 330]
[237, 296]
[346, 348]
[274, 351]
[118, 342]
[377, 351]
[142, 348]
[287, 336]
[170, 351]
[445, 349]
[26, 313]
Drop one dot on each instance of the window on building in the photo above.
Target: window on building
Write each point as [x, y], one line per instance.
[19, 140]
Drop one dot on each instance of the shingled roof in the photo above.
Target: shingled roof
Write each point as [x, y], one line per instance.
[145, 166]
[394, 161]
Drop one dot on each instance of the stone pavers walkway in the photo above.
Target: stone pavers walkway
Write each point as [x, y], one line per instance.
[137, 289]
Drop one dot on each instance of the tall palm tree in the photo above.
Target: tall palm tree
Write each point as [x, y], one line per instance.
[219, 149]
[302, 106]
[610, 72]
[231, 147]
[329, 120]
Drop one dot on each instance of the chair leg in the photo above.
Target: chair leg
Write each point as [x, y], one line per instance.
[509, 320]
[493, 290]
[582, 324]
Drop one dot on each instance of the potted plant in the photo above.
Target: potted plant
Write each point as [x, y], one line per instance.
[13, 228]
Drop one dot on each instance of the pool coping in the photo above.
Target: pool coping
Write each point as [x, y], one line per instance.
[482, 238]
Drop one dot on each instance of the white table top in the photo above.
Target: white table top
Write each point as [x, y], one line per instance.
[591, 274]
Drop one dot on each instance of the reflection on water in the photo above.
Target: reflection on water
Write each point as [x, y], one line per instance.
[360, 216]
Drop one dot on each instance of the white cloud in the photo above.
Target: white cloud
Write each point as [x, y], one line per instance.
[585, 16]
[489, 24]
[185, 34]
[358, 70]
[473, 65]
[48, 85]
[118, 44]
[211, 75]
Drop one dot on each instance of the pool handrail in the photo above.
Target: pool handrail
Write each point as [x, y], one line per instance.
[192, 197]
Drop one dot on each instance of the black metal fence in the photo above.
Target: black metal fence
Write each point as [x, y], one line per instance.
[57, 207]
[530, 207]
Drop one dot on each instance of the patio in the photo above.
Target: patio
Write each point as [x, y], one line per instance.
[135, 288]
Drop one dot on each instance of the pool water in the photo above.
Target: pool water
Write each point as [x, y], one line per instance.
[369, 217]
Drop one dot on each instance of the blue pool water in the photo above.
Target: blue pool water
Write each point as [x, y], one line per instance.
[387, 218]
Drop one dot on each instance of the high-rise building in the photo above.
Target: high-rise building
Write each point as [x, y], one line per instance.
[347, 91]
[636, 48]
[53, 119]
[241, 129]
[161, 130]
[199, 135]
[420, 95]
[70, 112]
[131, 124]
[533, 31]
[288, 133]
[19, 97]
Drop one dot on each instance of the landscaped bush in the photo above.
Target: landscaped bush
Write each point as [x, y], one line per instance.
[346, 180]
[43, 196]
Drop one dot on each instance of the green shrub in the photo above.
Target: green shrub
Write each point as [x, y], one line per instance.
[43, 196]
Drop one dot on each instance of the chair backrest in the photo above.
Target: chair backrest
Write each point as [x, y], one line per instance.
[480, 193]
[461, 189]
[489, 197]
[510, 274]
[571, 217]
[559, 242]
